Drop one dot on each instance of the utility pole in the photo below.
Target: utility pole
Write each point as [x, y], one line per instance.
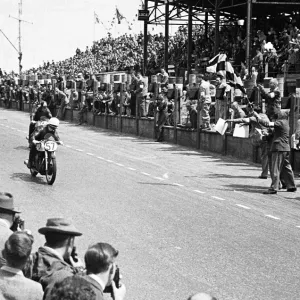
[20, 36]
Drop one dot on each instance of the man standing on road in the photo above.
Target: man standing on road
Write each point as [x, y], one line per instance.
[281, 169]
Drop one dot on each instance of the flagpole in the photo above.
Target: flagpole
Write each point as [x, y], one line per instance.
[94, 28]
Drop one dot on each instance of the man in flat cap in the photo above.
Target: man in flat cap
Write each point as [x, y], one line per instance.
[7, 218]
[53, 261]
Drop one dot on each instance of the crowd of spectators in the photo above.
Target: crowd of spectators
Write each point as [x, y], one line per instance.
[55, 272]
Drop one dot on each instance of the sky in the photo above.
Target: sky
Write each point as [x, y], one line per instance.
[59, 27]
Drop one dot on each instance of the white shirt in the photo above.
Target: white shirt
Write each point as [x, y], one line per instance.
[98, 279]
[12, 270]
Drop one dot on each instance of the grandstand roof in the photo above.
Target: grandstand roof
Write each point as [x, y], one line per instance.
[239, 7]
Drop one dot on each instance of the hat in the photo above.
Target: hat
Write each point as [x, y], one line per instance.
[7, 202]
[60, 225]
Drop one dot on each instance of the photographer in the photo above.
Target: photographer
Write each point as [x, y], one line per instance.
[102, 271]
[9, 221]
[56, 260]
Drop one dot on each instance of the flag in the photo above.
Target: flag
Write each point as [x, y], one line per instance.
[220, 65]
[97, 20]
[119, 16]
[217, 64]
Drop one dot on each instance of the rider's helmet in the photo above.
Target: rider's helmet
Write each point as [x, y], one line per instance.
[53, 122]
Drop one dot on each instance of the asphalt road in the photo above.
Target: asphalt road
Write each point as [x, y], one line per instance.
[184, 221]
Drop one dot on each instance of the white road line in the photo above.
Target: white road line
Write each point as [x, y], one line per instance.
[166, 176]
[178, 184]
[119, 165]
[13, 128]
[132, 169]
[68, 146]
[79, 150]
[91, 154]
[272, 217]
[159, 178]
[108, 160]
[145, 174]
[298, 226]
[100, 157]
[200, 192]
[218, 198]
[243, 206]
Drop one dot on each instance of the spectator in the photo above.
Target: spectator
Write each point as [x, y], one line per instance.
[7, 218]
[162, 117]
[192, 115]
[100, 260]
[72, 288]
[222, 90]
[281, 169]
[141, 93]
[165, 76]
[205, 101]
[13, 284]
[63, 100]
[201, 296]
[273, 98]
[53, 261]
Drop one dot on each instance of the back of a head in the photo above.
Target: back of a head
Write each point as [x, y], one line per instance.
[201, 296]
[72, 288]
[17, 249]
[99, 257]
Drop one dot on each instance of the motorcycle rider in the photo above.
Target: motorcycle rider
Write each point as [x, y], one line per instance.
[43, 113]
[49, 130]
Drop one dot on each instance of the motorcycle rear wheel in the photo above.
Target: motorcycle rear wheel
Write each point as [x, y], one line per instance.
[51, 174]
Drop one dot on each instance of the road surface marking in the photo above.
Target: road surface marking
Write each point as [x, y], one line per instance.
[200, 192]
[145, 174]
[218, 198]
[298, 226]
[108, 160]
[100, 157]
[159, 178]
[132, 169]
[91, 154]
[272, 217]
[178, 248]
[13, 128]
[79, 150]
[166, 176]
[178, 184]
[243, 206]
[119, 165]
[68, 146]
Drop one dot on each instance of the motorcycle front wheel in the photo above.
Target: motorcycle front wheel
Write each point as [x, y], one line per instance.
[51, 171]
[33, 172]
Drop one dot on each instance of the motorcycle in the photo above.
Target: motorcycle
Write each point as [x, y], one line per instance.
[45, 160]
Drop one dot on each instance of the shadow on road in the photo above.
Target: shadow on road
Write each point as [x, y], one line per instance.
[258, 189]
[27, 178]
[230, 176]
[155, 183]
[21, 148]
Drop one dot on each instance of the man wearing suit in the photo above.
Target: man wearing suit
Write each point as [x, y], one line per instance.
[13, 284]
[7, 217]
[101, 268]
[281, 169]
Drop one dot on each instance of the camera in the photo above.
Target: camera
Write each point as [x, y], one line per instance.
[18, 224]
[116, 279]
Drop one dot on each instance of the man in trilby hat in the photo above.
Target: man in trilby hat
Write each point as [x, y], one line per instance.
[55, 255]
